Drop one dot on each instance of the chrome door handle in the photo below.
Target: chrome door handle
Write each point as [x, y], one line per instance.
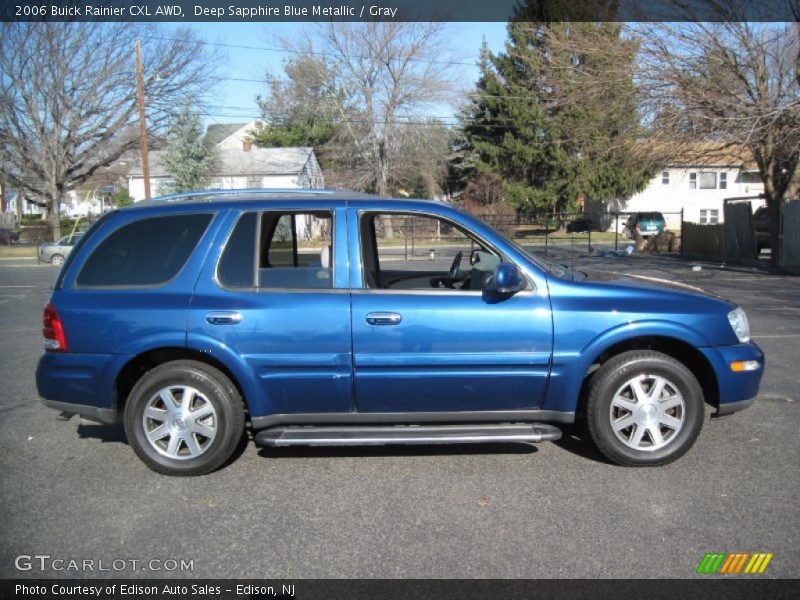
[383, 318]
[223, 317]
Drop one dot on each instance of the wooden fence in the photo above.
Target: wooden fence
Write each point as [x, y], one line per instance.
[703, 240]
[740, 241]
[790, 236]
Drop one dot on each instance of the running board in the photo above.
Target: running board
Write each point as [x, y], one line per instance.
[371, 435]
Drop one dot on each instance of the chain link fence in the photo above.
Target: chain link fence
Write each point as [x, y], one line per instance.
[550, 234]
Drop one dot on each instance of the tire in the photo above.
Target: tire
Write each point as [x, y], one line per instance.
[57, 260]
[628, 424]
[201, 430]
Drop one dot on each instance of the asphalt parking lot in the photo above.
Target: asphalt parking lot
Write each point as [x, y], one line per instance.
[75, 491]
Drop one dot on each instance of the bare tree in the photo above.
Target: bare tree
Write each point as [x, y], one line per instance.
[68, 98]
[732, 84]
[422, 158]
[387, 75]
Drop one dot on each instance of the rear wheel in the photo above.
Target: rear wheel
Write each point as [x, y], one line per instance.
[644, 409]
[184, 418]
[57, 260]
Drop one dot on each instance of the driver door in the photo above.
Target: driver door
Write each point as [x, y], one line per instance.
[424, 338]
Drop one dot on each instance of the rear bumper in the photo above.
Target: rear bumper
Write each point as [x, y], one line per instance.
[82, 384]
[93, 413]
[736, 390]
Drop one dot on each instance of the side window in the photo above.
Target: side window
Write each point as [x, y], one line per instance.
[401, 251]
[147, 252]
[236, 265]
[279, 250]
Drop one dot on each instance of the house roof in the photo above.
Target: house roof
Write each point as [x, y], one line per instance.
[703, 154]
[264, 161]
[217, 132]
[235, 162]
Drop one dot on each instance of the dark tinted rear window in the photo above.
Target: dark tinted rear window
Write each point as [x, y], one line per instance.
[236, 265]
[78, 245]
[146, 252]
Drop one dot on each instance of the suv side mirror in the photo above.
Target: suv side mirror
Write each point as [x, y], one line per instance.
[506, 281]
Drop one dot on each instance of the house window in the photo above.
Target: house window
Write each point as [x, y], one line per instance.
[709, 216]
[254, 182]
[164, 186]
[665, 177]
[708, 180]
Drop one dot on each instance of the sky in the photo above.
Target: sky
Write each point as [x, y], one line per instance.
[236, 98]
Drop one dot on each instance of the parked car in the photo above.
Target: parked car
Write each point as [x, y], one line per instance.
[56, 252]
[645, 223]
[8, 236]
[762, 224]
[295, 315]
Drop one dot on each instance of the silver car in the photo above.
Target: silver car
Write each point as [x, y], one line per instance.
[55, 252]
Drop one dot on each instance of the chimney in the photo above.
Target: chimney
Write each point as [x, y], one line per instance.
[247, 144]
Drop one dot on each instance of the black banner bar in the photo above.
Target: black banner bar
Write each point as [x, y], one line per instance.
[711, 588]
[394, 10]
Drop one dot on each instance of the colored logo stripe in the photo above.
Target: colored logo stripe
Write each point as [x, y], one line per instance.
[758, 564]
[711, 562]
[733, 563]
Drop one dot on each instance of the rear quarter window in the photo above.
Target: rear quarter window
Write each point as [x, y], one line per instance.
[147, 252]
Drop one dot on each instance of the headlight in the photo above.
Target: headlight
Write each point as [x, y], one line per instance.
[741, 327]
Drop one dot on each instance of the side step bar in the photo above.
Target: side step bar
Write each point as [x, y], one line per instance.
[370, 435]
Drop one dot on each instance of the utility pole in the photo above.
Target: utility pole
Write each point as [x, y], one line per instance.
[142, 124]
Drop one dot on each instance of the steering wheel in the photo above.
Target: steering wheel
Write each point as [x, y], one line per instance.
[454, 267]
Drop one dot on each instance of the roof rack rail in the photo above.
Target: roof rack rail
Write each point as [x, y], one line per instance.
[233, 192]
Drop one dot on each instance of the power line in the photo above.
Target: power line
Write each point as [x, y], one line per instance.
[466, 94]
[471, 95]
[305, 52]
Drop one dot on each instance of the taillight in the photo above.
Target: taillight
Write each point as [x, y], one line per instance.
[53, 331]
[638, 226]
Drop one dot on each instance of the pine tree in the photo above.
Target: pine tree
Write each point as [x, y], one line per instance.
[555, 114]
[300, 110]
[188, 159]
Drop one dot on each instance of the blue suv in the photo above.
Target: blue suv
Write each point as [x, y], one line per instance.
[302, 316]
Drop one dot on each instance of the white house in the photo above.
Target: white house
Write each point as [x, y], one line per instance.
[240, 165]
[697, 186]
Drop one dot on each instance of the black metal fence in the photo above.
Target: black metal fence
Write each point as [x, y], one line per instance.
[545, 234]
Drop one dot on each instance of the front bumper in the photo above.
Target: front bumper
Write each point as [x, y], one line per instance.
[737, 390]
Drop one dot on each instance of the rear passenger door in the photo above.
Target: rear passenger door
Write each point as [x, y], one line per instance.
[278, 300]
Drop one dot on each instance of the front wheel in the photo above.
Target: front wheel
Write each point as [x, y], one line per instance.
[57, 260]
[644, 409]
[184, 418]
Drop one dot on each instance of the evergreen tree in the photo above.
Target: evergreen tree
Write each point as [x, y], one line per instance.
[189, 159]
[555, 114]
[300, 110]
